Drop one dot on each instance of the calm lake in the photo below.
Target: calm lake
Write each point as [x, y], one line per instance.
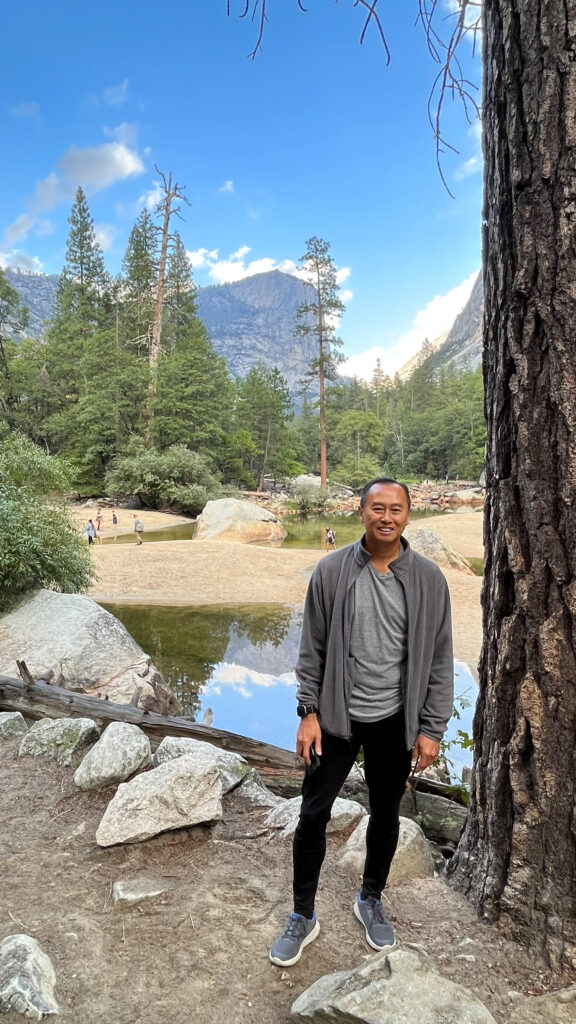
[239, 661]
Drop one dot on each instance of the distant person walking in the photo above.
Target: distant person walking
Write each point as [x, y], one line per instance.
[138, 528]
[90, 531]
[330, 539]
[115, 525]
[99, 520]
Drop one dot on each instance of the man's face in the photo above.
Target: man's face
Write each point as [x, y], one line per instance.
[385, 514]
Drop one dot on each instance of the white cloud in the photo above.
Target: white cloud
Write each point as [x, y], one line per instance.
[434, 320]
[228, 186]
[44, 226]
[342, 275]
[126, 134]
[95, 168]
[346, 295]
[27, 111]
[19, 260]
[152, 197]
[201, 257]
[105, 235]
[18, 230]
[117, 94]
[235, 267]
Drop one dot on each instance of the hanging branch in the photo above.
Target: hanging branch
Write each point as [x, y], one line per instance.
[450, 79]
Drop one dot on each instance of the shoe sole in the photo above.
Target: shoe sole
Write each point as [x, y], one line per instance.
[305, 942]
[374, 945]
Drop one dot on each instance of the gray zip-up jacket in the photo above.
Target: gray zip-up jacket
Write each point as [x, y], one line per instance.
[323, 666]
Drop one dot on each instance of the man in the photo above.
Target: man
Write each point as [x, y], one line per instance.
[375, 670]
[138, 528]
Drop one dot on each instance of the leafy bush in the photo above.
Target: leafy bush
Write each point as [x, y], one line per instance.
[174, 478]
[310, 498]
[39, 542]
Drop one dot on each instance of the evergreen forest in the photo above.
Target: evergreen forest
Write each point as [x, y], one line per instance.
[127, 389]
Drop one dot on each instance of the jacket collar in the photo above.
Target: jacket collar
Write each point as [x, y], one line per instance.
[399, 566]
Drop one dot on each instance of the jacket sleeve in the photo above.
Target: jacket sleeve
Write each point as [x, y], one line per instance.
[312, 653]
[439, 702]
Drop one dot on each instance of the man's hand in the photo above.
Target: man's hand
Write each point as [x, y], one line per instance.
[424, 753]
[309, 733]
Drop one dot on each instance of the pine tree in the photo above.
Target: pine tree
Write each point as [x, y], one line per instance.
[319, 319]
[140, 272]
[180, 296]
[264, 410]
[13, 317]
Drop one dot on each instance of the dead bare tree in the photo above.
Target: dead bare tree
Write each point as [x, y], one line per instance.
[171, 192]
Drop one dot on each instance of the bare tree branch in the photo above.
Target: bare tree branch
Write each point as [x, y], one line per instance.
[450, 80]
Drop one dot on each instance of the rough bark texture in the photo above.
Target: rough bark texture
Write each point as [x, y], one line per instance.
[517, 858]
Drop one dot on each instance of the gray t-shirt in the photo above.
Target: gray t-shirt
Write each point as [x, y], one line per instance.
[378, 646]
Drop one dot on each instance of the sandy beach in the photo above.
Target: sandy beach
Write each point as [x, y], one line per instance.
[213, 572]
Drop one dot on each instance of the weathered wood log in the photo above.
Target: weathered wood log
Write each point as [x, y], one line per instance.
[44, 701]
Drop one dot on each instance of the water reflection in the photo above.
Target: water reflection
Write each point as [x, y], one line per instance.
[239, 660]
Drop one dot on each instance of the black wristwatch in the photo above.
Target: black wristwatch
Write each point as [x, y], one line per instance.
[306, 709]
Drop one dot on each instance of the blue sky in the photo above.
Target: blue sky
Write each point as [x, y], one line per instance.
[316, 136]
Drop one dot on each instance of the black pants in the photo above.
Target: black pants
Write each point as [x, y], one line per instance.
[386, 766]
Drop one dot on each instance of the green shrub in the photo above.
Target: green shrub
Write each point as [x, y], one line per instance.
[175, 478]
[39, 541]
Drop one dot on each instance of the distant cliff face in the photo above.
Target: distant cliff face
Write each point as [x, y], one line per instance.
[249, 321]
[253, 320]
[463, 346]
[37, 292]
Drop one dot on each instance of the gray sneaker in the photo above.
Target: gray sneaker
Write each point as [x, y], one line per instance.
[299, 932]
[379, 931]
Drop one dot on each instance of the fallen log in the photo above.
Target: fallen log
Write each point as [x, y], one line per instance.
[44, 701]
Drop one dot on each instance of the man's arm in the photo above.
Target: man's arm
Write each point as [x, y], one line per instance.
[310, 666]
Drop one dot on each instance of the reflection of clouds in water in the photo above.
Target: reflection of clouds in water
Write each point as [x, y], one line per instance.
[240, 679]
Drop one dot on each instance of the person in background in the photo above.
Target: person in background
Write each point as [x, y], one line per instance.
[330, 539]
[115, 525]
[90, 531]
[138, 528]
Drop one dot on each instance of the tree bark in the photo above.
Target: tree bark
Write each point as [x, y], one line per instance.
[517, 856]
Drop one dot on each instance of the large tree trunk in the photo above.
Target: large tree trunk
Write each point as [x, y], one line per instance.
[517, 857]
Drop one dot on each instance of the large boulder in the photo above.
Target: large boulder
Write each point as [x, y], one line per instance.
[175, 795]
[391, 988]
[232, 767]
[426, 542]
[413, 858]
[64, 740]
[121, 750]
[233, 520]
[70, 641]
[27, 978]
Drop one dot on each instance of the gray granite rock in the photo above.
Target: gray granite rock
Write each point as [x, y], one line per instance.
[229, 519]
[12, 723]
[121, 750]
[69, 640]
[285, 816]
[130, 892]
[232, 767]
[412, 859]
[65, 740]
[401, 987]
[27, 978]
[174, 795]
[253, 789]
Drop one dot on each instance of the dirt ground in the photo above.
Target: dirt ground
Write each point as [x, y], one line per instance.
[212, 572]
[200, 952]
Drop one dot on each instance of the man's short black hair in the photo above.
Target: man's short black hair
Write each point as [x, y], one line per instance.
[383, 480]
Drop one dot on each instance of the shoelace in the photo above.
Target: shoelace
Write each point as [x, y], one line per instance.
[377, 910]
[295, 928]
